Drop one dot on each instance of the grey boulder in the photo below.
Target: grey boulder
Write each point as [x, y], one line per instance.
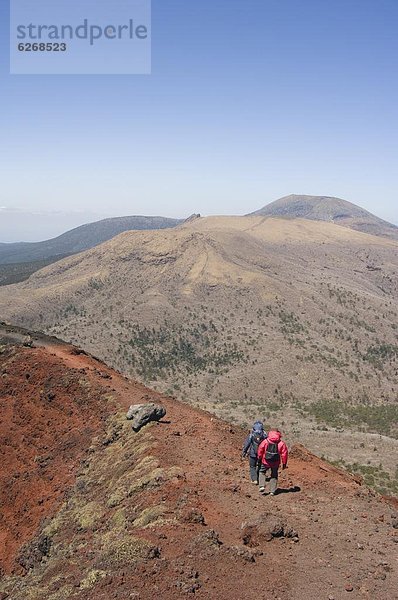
[142, 414]
[265, 528]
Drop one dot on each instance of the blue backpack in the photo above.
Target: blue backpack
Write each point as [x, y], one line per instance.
[258, 435]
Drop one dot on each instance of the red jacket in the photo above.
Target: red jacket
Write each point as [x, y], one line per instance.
[275, 438]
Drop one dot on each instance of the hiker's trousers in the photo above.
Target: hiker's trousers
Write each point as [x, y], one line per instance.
[274, 477]
[254, 464]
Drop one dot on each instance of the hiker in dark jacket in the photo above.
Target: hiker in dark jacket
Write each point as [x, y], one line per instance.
[251, 446]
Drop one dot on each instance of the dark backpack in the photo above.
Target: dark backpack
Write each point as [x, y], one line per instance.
[257, 438]
[272, 452]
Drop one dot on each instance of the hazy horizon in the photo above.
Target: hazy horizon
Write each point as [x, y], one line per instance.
[18, 225]
[247, 102]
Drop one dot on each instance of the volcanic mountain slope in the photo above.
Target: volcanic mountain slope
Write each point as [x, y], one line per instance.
[243, 315]
[81, 238]
[95, 511]
[327, 208]
[19, 260]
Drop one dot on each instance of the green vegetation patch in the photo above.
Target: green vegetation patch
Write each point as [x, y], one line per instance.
[149, 516]
[374, 477]
[128, 550]
[92, 579]
[157, 353]
[88, 514]
[377, 419]
[380, 354]
[145, 472]
[290, 323]
[17, 272]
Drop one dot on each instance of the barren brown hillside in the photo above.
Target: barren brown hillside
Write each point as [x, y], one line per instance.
[334, 210]
[167, 512]
[290, 320]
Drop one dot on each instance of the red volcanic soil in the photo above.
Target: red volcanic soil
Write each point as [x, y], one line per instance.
[48, 418]
[338, 539]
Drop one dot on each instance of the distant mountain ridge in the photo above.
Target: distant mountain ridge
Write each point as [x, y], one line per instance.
[234, 313]
[328, 208]
[79, 239]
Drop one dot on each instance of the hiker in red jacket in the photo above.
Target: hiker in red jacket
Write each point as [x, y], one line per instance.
[271, 453]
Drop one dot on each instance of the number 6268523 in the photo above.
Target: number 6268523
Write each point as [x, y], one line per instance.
[42, 47]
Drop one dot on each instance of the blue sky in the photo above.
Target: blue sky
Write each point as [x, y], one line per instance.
[248, 101]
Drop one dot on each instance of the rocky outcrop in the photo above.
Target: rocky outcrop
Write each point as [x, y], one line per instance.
[33, 553]
[265, 528]
[192, 217]
[142, 414]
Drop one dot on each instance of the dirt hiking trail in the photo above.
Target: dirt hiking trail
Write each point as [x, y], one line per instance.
[324, 535]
